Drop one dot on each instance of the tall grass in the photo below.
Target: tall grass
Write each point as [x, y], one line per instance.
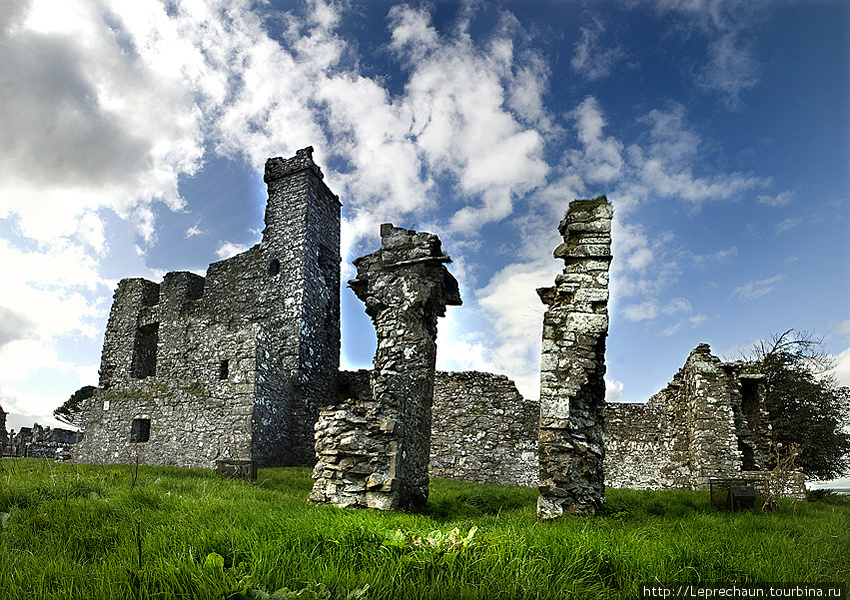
[76, 531]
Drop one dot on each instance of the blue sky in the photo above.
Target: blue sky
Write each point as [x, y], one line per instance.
[132, 139]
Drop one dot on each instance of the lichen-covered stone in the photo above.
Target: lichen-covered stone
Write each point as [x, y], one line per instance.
[375, 452]
[483, 430]
[709, 421]
[572, 388]
[235, 364]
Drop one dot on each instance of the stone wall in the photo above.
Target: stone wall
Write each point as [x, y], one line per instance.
[4, 435]
[483, 430]
[235, 364]
[709, 421]
[572, 387]
[376, 452]
[40, 442]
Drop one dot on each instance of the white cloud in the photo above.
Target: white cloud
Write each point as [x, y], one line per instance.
[842, 367]
[693, 322]
[757, 288]
[787, 224]
[644, 311]
[600, 161]
[613, 390]
[843, 328]
[782, 199]
[677, 306]
[229, 249]
[594, 57]
[665, 165]
[719, 257]
[730, 67]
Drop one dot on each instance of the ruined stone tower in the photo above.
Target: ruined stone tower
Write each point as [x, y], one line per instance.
[572, 386]
[234, 364]
[373, 449]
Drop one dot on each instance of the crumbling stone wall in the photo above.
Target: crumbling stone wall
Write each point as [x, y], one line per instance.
[40, 442]
[235, 364]
[709, 421]
[405, 287]
[572, 388]
[483, 430]
[4, 435]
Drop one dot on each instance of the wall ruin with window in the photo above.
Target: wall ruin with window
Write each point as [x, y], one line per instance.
[233, 364]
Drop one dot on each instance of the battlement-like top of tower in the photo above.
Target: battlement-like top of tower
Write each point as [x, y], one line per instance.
[281, 167]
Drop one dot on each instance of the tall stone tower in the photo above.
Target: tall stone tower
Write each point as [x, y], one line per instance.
[299, 341]
[232, 365]
[572, 386]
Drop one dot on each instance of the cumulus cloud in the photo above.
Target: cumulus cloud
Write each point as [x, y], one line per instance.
[842, 367]
[228, 249]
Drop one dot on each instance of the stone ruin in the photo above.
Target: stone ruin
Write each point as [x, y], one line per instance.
[233, 365]
[572, 366]
[708, 422]
[483, 430]
[35, 441]
[243, 365]
[4, 435]
[373, 450]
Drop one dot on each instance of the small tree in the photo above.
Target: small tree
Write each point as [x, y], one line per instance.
[805, 405]
[69, 412]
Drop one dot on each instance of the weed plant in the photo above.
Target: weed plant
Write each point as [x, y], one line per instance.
[85, 531]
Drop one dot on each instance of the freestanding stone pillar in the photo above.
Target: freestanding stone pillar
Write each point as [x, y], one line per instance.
[375, 452]
[572, 388]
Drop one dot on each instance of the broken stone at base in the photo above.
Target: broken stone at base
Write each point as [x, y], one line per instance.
[572, 389]
[375, 452]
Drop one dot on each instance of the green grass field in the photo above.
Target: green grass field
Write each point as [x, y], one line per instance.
[84, 531]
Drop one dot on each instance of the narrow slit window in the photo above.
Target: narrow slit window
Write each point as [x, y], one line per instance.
[140, 431]
[274, 267]
[224, 369]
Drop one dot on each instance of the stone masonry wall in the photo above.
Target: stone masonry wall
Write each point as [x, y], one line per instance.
[40, 442]
[232, 365]
[707, 422]
[4, 435]
[483, 430]
[405, 287]
[572, 388]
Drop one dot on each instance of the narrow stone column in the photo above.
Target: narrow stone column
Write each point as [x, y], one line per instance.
[381, 458]
[572, 388]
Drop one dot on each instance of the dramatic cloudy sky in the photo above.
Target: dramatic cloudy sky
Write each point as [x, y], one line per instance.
[133, 134]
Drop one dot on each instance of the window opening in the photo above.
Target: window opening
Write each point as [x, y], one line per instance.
[274, 267]
[144, 351]
[140, 430]
[224, 369]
